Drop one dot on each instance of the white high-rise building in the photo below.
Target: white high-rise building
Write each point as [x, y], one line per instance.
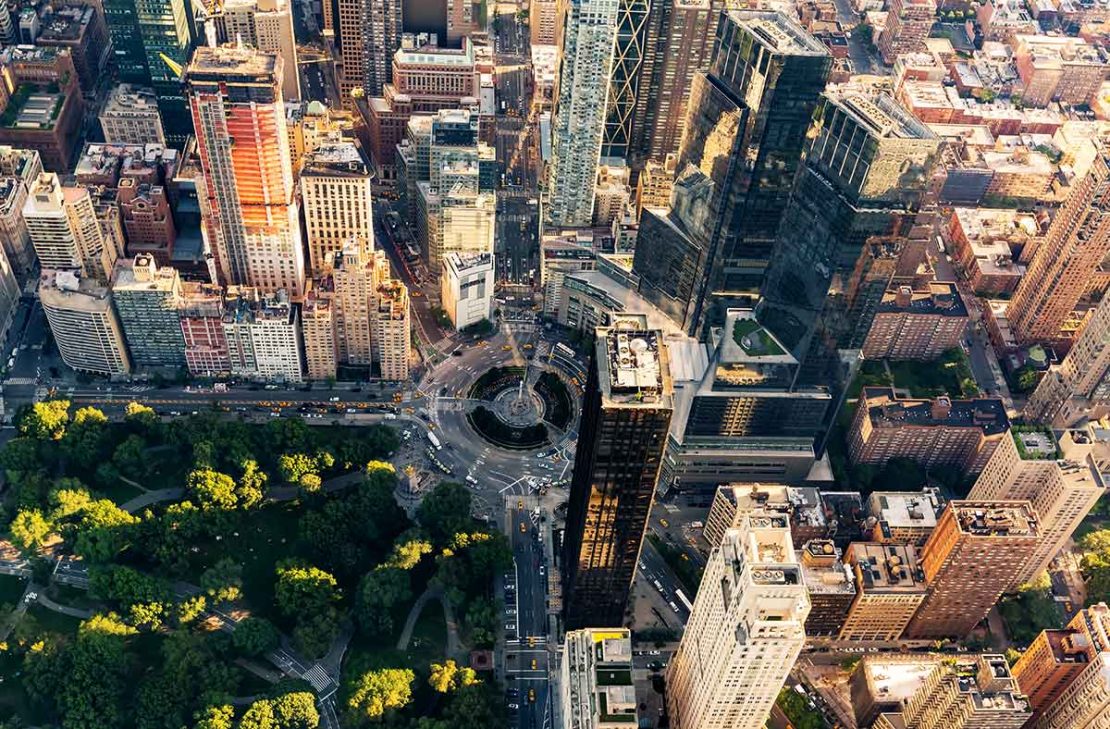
[268, 26]
[596, 679]
[65, 231]
[335, 186]
[588, 33]
[84, 324]
[745, 630]
[263, 335]
[466, 287]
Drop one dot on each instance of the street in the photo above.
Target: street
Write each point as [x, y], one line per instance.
[527, 668]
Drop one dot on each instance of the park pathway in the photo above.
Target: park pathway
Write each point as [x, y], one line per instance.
[454, 644]
[277, 493]
[79, 613]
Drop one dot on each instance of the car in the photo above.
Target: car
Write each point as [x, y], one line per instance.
[534, 664]
[531, 696]
[456, 353]
[514, 707]
[653, 653]
[510, 626]
[510, 611]
[542, 570]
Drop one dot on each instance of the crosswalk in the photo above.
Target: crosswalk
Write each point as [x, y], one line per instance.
[317, 677]
[20, 381]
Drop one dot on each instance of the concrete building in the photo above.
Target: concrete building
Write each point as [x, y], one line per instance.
[268, 26]
[454, 223]
[745, 630]
[370, 33]
[654, 186]
[626, 412]
[80, 28]
[588, 34]
[903, 518]
[392, 336]
[44, 108]
[881, 684]
[19, 169]
[64, 230]
[890, 587]
[917, 324]
[1084, 699]
[596, 690]
[801, 504]
[1062, 479]
[1058, 68]
[1052, 661]
[263, 335]
[462, 20]
[831, 585]
[84, 324]
[201, 317]
[971, 558]
[131, 116]
[1077, 241]
[560, 255]
[318, 331]
[1078, 387]
[148, 300]
[984, 241]
[466, 287]
[355, 273]
[543, 21]
[251, 219]
[611, 193]
[939, 432]
[336, 190]
[908, 24]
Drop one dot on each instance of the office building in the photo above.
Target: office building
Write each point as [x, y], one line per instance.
[65, 231]
[1077, 241]
[321, 353]
[44, 109]
[903, 518]
[466, 288]
[971, 558]
[201, 317]
[589, 29]
[559, 256]
[84, 324]
[268, 26]
[19, 169]
[908, 24]
[835, 208]
[890, 587]
[462, 20]
[736, 112]
[919, 324]
[939, 432]
[733, 501]
[336, 190]
[596, 682]
[880, 684]
[147, 300]
[263, 335]
[370, 33]
[678, 43]
[1079, 386]
[968, 693]
[252, 220]
[831, 585]
[392, 336]
[131, 116]
[745, 630]
[1062, 479]
[626, 412]
[144, 35]
[354, 273]
[461, 222]
[624, 79]
[543, 20]
[1082, 699]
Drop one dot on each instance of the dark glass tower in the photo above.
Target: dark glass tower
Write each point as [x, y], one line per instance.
[626, 413]
[624, 81]
[745, 130]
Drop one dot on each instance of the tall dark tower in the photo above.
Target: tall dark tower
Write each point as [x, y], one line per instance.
[745, 129]
[626, 414]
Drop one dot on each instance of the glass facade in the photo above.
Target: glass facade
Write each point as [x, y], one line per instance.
[624, 83]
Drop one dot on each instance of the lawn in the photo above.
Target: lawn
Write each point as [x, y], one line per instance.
[796, 708]
[754, 340]
[11, 589]
[950, 375]
[119, 491]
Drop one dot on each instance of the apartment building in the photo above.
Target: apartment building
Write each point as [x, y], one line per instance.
[84, 324]
[917, 324]
[338, 206]
[131, 116]
[890, 587]
[596, 690]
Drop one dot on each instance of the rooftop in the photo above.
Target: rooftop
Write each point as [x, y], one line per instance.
[128, 99]
[231, 60]
[633, 361]
[66, 23]
[143, 274]
[746, 340]
[939, 298]
[886, 567]
[464, 262]
[337, 159]
[66, 289]
[778, 32]
[995, 518]
[1035, 444]
[825, 573]
[899, 509]
[881, 114]
[33, 107]
[894, 679]
[988, 414]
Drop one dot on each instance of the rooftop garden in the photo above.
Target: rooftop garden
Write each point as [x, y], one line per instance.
[1035, 443]
[18, 102]
[754, 339]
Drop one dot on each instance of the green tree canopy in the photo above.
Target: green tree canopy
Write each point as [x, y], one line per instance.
[447, 676]
[303, 589]
[44, 420]
[376, 692]
[445, 511]
[223, 581]
[30, 530]
[254, 636]
[212, 490]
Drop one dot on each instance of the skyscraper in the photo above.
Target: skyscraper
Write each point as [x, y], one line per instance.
[677, 45]
[268, 26]
[370, 33]
[745, 630]
[64, 230]
[589, 30]
[252, 221]
[971, 557]
[624, 79]
[145, 34]
[626, 413]
[1068, 673]
[336, 189]
[967, 694]
[754, 104]
[147, 299]
[1077, 241]
[83, 322]
[1079, 387]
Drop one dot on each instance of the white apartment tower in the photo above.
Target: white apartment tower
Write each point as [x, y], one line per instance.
[263, 335]
[745, 630]
[268, 26]
[65, 231]
[587, 37]
[466, 287]
[596, 688]
[1062, 479]
[84, 324]
[335, 187]
[354, 276]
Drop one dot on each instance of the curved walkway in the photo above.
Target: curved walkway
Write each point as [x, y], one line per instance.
[79, 613]
[454, 644]
[277, 493]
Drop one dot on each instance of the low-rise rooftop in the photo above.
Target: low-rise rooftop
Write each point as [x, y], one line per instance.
[887, 567]
[939, 298]
[988, 414]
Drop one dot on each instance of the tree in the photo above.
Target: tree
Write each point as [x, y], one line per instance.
[104, 531]
[69, 499]
[310, 483]
[190, 609]
[407, 554]
[45, 420]
[376, 692]
[259, 715]
[255, 636]
[296, 710]
[140, 414]
[30, 530]
[213, 491]
[85, 437]
[126, 586]
[1026, 378]
[21, 456]
[295, 465]
[475, 706]
[445, 511]
[252, 485]
[46, 667]
[131, 459]
[448, 676]
[92, 695]
[302, 589]
[215, 717]
[223, 581]
[1096, 565]
[378, 595]
[315, 632]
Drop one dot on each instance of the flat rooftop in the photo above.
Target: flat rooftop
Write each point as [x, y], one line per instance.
[904, 509]
[825, 573]
[894, 680]
[987, 414]
[778, 32]
[887, 567]
[744, 339]
[337, 159]
[996, 518]
[231, 60]
[940, 298]
[881, 114]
